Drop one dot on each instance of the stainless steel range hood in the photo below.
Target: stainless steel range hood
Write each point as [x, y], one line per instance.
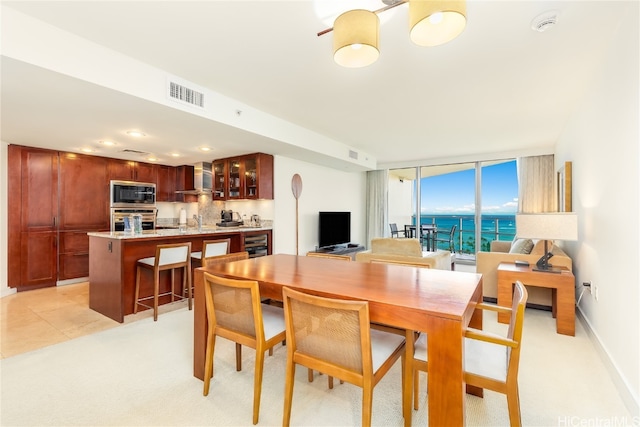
[202, 179]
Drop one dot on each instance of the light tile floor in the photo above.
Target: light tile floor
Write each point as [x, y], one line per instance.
[39, 318]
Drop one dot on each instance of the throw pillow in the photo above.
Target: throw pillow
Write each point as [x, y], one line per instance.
[521, 246]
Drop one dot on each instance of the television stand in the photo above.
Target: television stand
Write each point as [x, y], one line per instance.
[350, 249]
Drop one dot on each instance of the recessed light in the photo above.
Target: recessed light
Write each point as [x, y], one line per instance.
[175, 155]
[205, 149]
[135, 133]
[87, 150]
[108, 143]
[152, 159]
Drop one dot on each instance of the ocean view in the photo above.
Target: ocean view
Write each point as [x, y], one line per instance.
[494, 227]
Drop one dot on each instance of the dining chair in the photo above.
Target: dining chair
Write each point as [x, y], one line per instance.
[448, 238]
[394, 230]
[333, 336]
[167, 257]
[398, 262]
[222, 259]
[234, 312]
[332, 256]
[491, 361]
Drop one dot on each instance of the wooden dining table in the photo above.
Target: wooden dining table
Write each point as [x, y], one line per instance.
[438, 302]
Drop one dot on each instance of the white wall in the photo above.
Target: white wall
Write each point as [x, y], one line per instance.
[602, 140]
[323, 189]
[400, 199]
[4, 244]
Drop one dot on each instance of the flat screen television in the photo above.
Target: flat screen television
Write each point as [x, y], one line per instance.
[334, 228]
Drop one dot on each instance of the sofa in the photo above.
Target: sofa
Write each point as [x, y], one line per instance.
[520, 249]
[405, 250]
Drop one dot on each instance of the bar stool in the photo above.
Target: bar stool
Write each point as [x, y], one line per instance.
[211, 248]
[168, 257]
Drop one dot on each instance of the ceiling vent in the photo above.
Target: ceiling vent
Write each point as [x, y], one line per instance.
[184, 94]
[545, 21]
[353, 154]
[130, 151]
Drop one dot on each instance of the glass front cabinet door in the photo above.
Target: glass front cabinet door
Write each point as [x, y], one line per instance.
[235, 179]
[219, 180]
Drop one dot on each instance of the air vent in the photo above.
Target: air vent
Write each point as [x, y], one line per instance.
[184, 94]
[129, 151]
[353, 154]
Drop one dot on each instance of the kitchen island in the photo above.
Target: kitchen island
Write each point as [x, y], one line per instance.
[113, 257]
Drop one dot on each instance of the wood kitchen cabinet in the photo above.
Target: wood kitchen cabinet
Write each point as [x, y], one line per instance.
[184, 181]
[33, 217]
[84, 207]
[56, 199]
[84, 192]
[258, 176]
[243, 177]
[125, 170]
[166, 185]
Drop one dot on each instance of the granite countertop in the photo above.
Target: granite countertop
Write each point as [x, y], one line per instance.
[170, 232]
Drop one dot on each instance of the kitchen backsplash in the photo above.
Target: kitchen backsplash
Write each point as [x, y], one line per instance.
[168, 213]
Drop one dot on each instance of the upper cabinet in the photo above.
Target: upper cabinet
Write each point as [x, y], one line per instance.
[125, 170]
[166, 185]
[243, 177]
[220, 179]
[84, 192]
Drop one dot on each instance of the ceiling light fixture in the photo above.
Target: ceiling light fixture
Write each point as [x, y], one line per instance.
[431, 23]
[135, 133]
[107, 143]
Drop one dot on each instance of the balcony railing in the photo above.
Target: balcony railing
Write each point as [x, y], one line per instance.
[494, 227]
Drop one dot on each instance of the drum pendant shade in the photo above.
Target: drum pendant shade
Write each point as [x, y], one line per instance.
[435, 22]
[355, 38]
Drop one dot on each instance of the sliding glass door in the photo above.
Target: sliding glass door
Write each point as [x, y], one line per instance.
[457, 197]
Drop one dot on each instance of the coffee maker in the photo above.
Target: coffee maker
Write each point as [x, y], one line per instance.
[227, 219]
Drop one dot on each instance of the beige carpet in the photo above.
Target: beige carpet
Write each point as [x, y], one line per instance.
[140, 374]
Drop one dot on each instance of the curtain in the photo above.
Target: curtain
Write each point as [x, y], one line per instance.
[536, 184]
[377, 196]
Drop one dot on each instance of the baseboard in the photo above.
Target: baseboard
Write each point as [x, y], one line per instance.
[7, 291]
[72, 281]
[619, 382]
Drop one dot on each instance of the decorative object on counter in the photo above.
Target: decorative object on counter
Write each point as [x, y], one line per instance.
[182, 223]
[296, 188]
[137, 223]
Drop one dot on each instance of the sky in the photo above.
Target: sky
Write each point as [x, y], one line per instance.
[453, 193]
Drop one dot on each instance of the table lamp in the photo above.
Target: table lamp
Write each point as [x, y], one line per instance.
[547, 226]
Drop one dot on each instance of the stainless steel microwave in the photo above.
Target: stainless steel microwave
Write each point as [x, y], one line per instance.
[124, 194]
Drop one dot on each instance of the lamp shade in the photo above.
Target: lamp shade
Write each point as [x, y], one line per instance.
[435, 22]
[547, 226]
[355, 38]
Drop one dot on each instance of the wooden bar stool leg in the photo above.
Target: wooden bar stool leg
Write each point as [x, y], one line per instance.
[189, 284]
[137, 294]
[156, 291]
[173, 288]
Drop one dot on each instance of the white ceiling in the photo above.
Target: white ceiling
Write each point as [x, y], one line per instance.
[499, 87]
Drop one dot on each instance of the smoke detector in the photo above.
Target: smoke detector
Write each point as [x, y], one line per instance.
[545, 21]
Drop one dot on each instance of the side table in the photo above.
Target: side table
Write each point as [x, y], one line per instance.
[562, 297]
